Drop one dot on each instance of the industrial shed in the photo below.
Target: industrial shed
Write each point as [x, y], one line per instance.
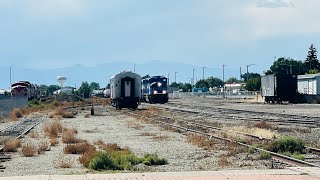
[309, 84]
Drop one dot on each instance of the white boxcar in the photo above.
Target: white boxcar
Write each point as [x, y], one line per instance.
[309, 84]
[125, 90]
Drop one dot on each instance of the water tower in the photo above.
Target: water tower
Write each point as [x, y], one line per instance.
[61, 80]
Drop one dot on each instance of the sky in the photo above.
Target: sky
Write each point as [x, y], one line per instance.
[48, 34]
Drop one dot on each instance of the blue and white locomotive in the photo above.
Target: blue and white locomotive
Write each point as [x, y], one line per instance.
[154, 89]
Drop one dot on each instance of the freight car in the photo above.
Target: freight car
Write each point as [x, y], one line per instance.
[125, 90]
[25, 89]
[279, 88]
[155, 90]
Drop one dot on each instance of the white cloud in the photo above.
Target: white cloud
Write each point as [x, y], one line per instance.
[274, 3]
[298, 20]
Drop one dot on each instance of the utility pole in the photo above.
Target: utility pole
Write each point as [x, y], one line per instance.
[223, 94]
[193, 77]
[240, 72]
[168, 84]
[10, 80]
[203, 72]
[134, 68]
[175, 77]
[248, 70]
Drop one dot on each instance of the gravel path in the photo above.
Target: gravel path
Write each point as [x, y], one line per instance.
[138, 136]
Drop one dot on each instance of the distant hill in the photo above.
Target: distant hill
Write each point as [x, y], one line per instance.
[101, 73]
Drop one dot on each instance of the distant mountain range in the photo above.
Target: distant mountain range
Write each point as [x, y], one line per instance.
[101, 73]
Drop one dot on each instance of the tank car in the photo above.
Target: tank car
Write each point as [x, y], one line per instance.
[24, 89]
[155, 89]
[125, 90]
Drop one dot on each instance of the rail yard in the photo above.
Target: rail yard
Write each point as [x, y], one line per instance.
[191, 133]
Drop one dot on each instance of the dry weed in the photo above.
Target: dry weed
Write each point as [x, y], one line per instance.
[52, 130]
[223, 161]
[148, 134]
[43, 146]
[69, 137]
[85, 158]
[28, 150]
[63, 162]
[34, 134]
[11, 145]
[87, 116]
[59, 111]
[15, 114]
[54, 141]
[263, 125]
[79, 148]
[161, 138]
[201, 141]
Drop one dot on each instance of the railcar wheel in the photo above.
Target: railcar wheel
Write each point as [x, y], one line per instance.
[118, 105]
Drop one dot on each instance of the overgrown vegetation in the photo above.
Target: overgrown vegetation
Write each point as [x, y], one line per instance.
[113, 157]
[200, 141]
[287, 144]
[11, 145]
[265, 155]
[63, 162]
[28, 150]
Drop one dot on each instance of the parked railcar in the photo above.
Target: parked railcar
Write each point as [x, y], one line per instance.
[125, 90]
[279, 88]
[24, 89]
[155, 89]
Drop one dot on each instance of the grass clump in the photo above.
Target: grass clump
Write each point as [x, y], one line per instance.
[263, 125]
[79, 148]
[299, 156]
[287, 144]
[28, 150]
[69, 137]
[62, 162]
[53, 129]
[11, 145]
[265, 155]
[201, 142]
[153, 159]
[15, 114]
[43, 146]
[102, 161]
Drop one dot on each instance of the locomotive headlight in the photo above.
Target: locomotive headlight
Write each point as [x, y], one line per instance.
[159, 84]
[164, 92]
[155, 92]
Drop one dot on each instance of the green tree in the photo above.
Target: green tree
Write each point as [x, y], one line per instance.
[214, 82]
[174, 84]
[84, 90]
[248, 76]
[94, 86]
[185, 87]
[52, 88]
[287, 66]
[253, 84]
[233, 80]
[108, 86]
[202, 84]
[312, 61]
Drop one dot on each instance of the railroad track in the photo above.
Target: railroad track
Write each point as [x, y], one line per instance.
[16, 131]
[202, 129]
[233, 114]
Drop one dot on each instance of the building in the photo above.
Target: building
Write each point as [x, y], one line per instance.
[64, 90]
[309, 84]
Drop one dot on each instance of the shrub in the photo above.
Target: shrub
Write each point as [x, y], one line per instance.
[52, 130]
[111, 147]
[80, 148]
[28, 150]
[124, 160]
[43, 146]
[15, 114]
[87, 157]
[63, 162]
[265, 155]
[223, 161]
[287, 144]
[102, 161]
[153, 159]
[61, 112]
[200, 141]
[69, 137]
[54, 141]
[11, 145]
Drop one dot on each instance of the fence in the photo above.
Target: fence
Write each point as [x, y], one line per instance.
[7, 104]
[240, 95]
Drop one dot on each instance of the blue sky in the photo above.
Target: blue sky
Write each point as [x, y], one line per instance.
[47, 34]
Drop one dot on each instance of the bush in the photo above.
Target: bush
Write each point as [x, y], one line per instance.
[287, 144]
[11, 145]
[54, 141]
[153, 159]
[52, 130]
[28, 150]
[43, 146]
[102, 161]
[69, 137]
[87, 157]
[15, 114]
[63, 162]
[80, 148]
[124, 160]
[265, 155]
